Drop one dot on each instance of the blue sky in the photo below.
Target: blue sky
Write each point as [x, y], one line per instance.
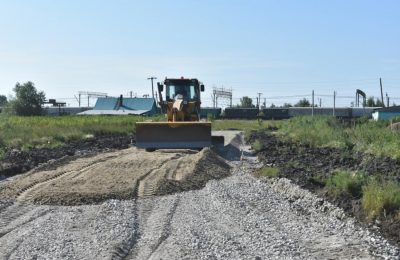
[278, 48]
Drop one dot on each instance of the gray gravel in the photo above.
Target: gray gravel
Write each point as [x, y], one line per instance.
[239, 217]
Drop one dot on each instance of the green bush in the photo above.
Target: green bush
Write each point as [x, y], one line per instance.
[381, 197]
[270, 172]
[344, 181]
[257, 145]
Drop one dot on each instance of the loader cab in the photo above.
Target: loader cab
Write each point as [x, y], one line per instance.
[186, 89]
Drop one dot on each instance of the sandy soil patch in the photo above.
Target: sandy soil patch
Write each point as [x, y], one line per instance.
[123, 174]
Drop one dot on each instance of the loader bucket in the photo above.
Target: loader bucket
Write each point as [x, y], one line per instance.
[173, 135]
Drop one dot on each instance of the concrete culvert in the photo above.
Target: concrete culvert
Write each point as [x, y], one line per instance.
[123, 174]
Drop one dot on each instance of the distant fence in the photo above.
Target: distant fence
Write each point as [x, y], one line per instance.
[248, 113]
[285, 113]
[275, 113]
[214, 112]
[240, 113]
[59, 111]
[251, 113]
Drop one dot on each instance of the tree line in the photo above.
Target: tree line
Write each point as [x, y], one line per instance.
[26, 101]
[247, 102]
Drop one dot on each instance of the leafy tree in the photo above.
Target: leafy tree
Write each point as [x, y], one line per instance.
[287, 105]
[272, 105]
[3, 100]
[379, 103]
[246, 102]
[303, 103]
[371, 102]
[28, 101]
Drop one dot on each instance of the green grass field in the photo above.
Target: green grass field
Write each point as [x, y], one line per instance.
[371, 137]
[42, 131]
[362, 135]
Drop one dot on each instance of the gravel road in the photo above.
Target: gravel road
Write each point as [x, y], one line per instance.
[238, 217]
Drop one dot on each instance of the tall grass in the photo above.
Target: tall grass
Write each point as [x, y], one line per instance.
[345, 181]
[270, 172]
[26, 132]
[232, 124]
[378, 197]
[367, 136]
[381, 198]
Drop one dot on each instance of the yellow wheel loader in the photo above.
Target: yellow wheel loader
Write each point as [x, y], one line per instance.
[183, 128]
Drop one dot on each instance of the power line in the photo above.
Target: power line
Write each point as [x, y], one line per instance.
[305, 82]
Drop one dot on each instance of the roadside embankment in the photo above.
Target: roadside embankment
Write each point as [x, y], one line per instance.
[364, 185]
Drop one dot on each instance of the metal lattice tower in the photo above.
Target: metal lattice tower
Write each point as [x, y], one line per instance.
[223, 94]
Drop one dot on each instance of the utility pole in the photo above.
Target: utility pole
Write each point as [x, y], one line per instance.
[380, 82]
[320, 102]
[387, 100]
[312, 108]
[152, 87]
[259, 100]
[214, 99]
[334, 102]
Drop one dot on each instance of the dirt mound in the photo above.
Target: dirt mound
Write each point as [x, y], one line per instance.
[191, 172]
[123, 174]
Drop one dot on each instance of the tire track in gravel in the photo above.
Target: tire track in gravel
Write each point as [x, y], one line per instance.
[11, 213]
[144, 188]
[18, 212]
[146, 184]
[24, 193]
[166, 228]
[154, 226]
[4, 205]
[122, 251]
